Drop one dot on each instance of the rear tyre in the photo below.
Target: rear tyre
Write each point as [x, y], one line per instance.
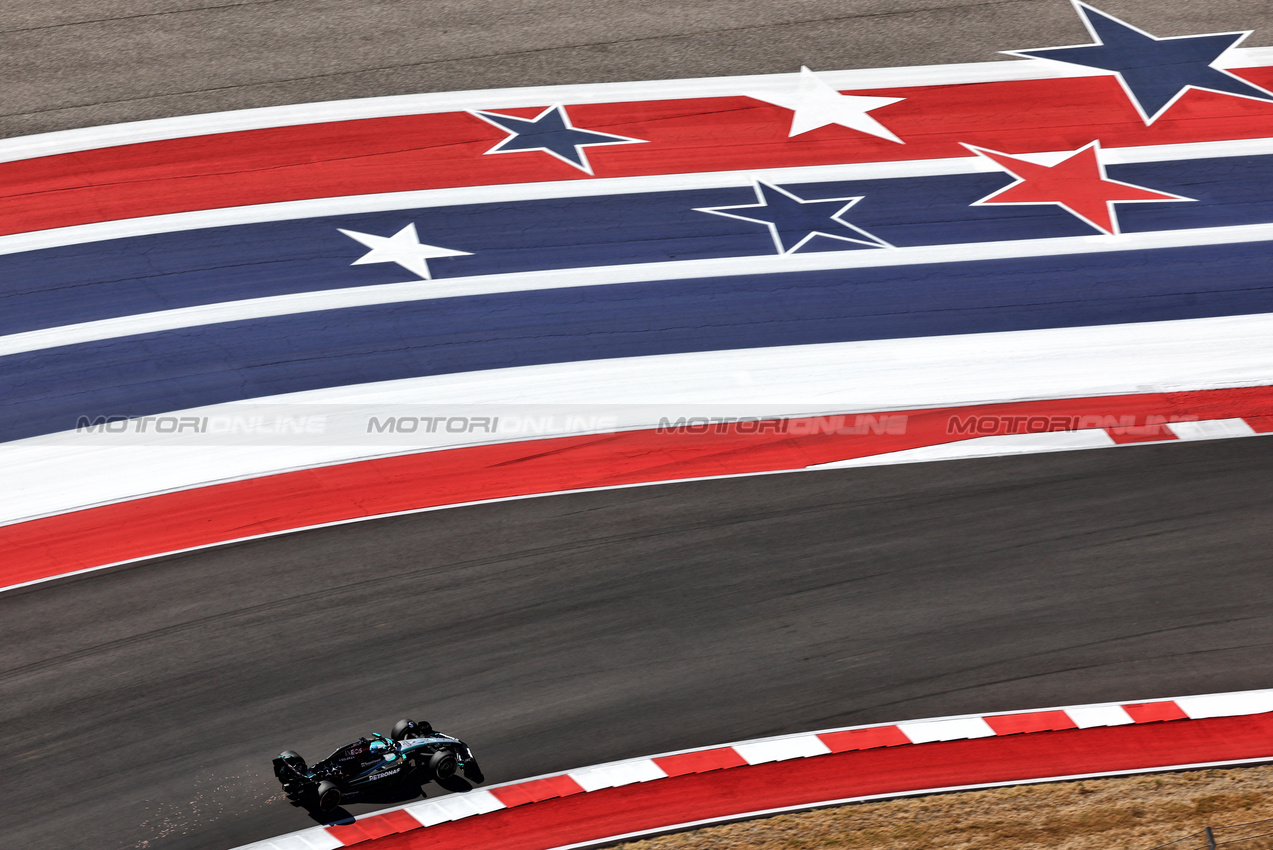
[327, 795]
[442, 765]
[289, 767]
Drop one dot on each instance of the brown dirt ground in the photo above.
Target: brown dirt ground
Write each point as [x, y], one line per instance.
[1135, 813]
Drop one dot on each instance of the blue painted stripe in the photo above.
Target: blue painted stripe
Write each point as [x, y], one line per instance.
[154, 373]
[53, 287]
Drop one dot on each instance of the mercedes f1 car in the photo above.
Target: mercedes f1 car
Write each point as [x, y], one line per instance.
[412, 751]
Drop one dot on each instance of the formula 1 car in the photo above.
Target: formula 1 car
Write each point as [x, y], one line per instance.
[412, 751]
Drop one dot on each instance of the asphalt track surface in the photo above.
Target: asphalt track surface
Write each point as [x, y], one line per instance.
[561, 631]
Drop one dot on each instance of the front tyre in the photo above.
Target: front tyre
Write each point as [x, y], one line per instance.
[405, 728]
[442, 765]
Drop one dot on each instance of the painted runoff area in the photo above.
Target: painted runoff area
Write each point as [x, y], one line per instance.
[641, 797]
[238, 290]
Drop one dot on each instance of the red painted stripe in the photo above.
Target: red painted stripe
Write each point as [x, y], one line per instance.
[372, 827]
[1033, 721]
[683, 136]
[235, 510]
[701, 761]
[537, 790]
[562, 786]
[1154, 712]
[513, 795]
[399, 821]
[1141, 434]
[1260, 424]
[864, 739]
[719, 794]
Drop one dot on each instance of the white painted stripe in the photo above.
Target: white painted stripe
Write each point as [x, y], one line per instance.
[1212, 429]
[614, 775]
[1088, 717]
[893, 374]
[1226, 705]
[782, 749]
[454, 807]
[1184, 151]
[428, 813]
[515, 192]
[996, 446]
[62, 472]
[284, 305]
[926, 732]
[314, 838]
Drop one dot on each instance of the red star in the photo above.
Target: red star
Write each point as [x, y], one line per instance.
[1077, 183]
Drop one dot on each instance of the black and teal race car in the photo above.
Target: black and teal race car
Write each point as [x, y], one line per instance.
[413, 753]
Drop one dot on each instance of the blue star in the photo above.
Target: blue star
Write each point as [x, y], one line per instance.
[1155, 72]
[793, 222]
[550, 131]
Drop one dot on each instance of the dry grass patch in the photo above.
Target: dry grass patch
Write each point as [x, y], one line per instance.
[1135, 813]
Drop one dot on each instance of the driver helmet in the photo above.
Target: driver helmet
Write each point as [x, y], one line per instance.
[379, 746]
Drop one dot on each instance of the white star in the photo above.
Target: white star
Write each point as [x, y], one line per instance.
[816, 104]
[403, 248]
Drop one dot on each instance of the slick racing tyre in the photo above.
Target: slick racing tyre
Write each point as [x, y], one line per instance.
[442, 765]
[327, 795]
[405, 728]
[288, 776]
